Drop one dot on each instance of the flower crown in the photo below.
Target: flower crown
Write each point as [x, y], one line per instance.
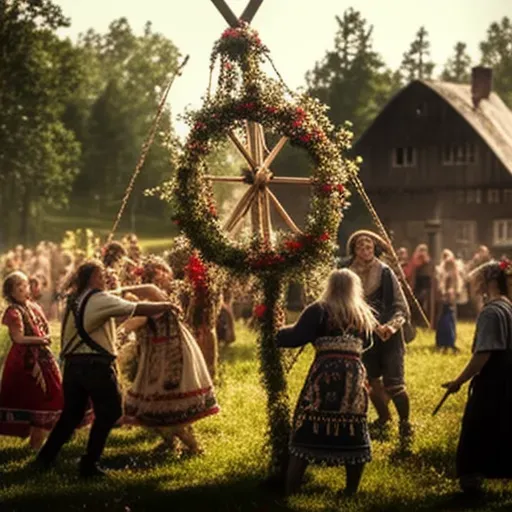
[506, 265]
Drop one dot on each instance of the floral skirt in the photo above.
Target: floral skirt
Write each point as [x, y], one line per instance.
[172, 392]
[330, 424]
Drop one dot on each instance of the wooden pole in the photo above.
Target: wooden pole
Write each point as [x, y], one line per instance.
[226, 12]
[251, 10]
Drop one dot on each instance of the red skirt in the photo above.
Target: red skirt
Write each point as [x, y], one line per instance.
[31, 390]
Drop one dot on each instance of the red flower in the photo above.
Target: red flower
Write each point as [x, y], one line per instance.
[305, 138]
[297, 123]
[259, 310]
[318, 134]
[504, 264]
[300, 113]
[271, 109]
[326, 188]
[293, 245]
[138, 271]
[230, 32]
[324, 237]
[340, 188]
[199, 126]
[228, 66]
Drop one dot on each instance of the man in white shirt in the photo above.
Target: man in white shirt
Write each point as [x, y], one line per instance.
[89, 351]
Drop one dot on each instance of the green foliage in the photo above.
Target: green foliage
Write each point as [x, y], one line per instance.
[415, 63]
[114, 109]
[38, 154]
[229, 476]
[497, 53]
[352, 78]
[458, 68]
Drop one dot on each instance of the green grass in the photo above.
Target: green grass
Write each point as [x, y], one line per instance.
[230, 475]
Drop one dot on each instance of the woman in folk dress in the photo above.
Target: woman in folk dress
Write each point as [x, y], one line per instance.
[330, 420]
[31, 390]
[172, 387]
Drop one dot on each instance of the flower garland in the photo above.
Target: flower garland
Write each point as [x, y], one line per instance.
[303, 121]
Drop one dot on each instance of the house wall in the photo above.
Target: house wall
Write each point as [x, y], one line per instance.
[405, 197]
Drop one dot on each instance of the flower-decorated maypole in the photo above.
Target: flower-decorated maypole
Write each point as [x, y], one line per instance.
[246, 100]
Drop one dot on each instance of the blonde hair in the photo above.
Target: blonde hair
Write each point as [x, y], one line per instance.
[343, 298]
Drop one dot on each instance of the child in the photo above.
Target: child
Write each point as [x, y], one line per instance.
[31, 393]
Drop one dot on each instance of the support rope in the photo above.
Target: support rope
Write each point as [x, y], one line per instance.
[145, 148]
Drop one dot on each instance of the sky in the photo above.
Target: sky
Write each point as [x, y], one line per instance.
[298, 32]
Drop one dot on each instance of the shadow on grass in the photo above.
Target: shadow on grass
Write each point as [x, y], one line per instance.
[245, 493]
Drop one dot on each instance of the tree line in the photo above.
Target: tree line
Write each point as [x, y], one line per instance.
[74, 115]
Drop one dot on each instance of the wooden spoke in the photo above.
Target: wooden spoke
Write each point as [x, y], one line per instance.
[243, 150]
[227, 13]
[251, 10]
[290, 181]
[228, 179]
[254, 200]
[245, 202]
[275, 151]
[265, 213]
[284, 215]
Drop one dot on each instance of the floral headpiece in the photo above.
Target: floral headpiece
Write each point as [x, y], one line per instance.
[491, 270]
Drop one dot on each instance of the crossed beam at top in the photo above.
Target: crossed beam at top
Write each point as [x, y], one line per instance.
[258, 197]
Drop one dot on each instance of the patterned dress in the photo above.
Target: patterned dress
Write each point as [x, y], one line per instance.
[172, 386]
[330, 420]
[31, 389]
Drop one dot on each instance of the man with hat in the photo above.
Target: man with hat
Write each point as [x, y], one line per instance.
[384, 361]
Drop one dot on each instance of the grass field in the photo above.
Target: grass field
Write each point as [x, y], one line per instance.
[229, 476]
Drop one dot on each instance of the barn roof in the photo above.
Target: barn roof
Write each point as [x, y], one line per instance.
[492, 119]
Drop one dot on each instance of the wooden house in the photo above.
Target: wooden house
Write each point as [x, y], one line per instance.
[437, 165]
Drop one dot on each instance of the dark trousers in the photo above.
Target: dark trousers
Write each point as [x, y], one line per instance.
[86, 378]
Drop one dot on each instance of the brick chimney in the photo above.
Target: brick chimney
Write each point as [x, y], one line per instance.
[481, 84]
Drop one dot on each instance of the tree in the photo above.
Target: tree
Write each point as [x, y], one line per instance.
[458, 68]
[38, 154]
[415, 63]
[497, 53]
[352, 78]
[126, 75]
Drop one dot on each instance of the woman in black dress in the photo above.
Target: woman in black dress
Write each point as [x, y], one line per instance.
[330, 424]
[485, 444]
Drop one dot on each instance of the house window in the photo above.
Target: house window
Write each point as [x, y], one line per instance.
[459, 154]
[493, 196]
[404, 157]
[502, 230]
[465, 231]
[507, 195]
[473, 196]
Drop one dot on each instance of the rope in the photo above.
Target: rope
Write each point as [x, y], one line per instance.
[145, 148]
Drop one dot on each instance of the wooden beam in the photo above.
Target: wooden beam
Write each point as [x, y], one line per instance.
[251, 10]
[228, 179]
[275, 151]
[241, 148]
[226, 12]
[284, 215]
[290, 181]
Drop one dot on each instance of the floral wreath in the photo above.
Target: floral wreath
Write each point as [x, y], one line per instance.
[245, 93]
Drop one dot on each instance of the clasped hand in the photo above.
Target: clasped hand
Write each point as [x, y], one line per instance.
[452, 386]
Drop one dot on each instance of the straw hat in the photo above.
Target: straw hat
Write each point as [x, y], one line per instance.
[380, 243]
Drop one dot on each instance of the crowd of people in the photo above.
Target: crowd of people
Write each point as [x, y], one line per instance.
[358, 327]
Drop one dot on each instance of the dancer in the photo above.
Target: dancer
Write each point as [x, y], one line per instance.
[385, 360]
[89, 351]
[329, 424]
[31, 390]
[485, 444]
[172, 387]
